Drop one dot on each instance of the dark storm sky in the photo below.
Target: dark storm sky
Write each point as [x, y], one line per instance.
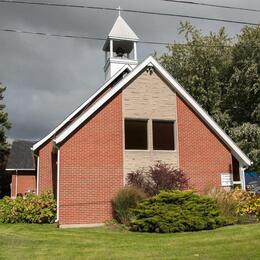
[47, 77]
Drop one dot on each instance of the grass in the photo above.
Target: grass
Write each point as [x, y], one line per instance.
[23, 241]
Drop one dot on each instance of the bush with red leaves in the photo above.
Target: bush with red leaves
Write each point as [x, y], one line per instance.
[161, 176]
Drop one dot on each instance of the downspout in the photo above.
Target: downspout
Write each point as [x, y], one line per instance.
[242, 176]
[58, 185]
[38, 171]
[16, 184]
[38, 174]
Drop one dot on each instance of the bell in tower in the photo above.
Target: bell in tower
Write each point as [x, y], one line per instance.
[120, 48]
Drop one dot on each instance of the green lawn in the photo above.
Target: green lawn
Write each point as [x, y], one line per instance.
[48, 242]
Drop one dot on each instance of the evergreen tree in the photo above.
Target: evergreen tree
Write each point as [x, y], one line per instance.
[4, 126]
[4, 146]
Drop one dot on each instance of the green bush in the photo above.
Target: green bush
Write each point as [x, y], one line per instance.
[126, 199]
[28, 209]
[177, 211]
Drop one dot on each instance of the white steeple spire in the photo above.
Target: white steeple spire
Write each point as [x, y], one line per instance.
[121, 30]
[119, 10]
[121, 46]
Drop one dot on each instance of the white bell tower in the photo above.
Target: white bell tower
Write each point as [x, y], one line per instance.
[120, 47]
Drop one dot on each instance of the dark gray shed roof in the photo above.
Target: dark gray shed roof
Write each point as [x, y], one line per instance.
[21, 156]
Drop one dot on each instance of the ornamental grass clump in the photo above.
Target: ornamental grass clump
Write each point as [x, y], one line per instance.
[226, 202]
[30, 208]
[242, 205]
[177, 211]
[125, 200]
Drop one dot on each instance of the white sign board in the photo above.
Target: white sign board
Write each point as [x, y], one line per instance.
[226, 179]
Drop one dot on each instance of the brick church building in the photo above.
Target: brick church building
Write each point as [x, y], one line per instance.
[140, 115]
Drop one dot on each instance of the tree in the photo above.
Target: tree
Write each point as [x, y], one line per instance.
[223, 76]
[247, 137]
[244, 84]
[4, 146]
[202, 65]
[5, 180]
[4, 126]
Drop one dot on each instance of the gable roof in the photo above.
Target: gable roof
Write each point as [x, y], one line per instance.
[80, 108]
[150, 61]
[21, 157]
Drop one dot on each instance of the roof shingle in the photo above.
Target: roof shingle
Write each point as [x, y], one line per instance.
[21, 156]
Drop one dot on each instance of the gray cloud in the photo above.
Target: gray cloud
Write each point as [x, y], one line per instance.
[47, 78]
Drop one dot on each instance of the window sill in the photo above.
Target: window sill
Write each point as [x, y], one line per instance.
[136, 150]
[165, 151]
[156, 151]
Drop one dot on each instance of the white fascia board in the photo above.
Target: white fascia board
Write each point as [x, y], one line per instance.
[67, 119]
[236, 151]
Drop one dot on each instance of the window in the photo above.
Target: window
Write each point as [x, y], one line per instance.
[136, 134]
[163, 135]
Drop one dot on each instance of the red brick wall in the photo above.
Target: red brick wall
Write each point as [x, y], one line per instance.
[48, 167]
[46, 164]
[202, 155]
[25, 181]
[91, 167]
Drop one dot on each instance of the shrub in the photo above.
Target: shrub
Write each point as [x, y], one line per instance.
[159, 177]
[28, 209]
[177, 211]
[248, 203]
[242, 205]
[126, 199]
[252, 209]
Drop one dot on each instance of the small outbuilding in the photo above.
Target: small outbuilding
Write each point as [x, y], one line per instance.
[21, 166]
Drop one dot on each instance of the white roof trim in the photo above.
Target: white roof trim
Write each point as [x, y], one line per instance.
[236, 151]
[67, 119]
